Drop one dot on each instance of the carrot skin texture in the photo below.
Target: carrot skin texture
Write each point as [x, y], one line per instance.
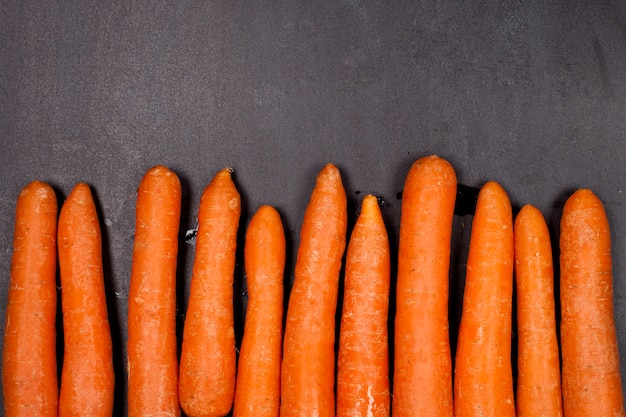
[539, 373]
[308, 367]
[151, 347]
[257, 391]
[208, 357]
[483, 384]
[363, 360]
[29, 368]
[422, 357]
[591, 376]
[87, 378]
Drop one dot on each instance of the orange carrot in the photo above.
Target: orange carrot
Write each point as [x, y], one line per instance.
[208, 358]
[258, 379]
[483, 384]
[592, 383]
[422, 358]
[308, 367]
[539, 372]
[363, 360]
[87, 378]
[29, 368]
[151, 347]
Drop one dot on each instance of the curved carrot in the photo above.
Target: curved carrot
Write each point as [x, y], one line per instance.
[308, 367]
[258, 379]
[363, 361]
[151, 346]
[539, 372]
[592, 383]
[87, 378]
[208, 358]
[29, 367]
[422, 358]
[483, 384]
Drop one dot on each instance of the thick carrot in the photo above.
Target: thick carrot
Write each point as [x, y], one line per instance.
[258, 378]
[592, 383]
[483, 384]
[422, 358]
[87, 377]
[363, 360]
[151, 347]
[29, 367]
[308, 367]
[539, 372]
[208, 358]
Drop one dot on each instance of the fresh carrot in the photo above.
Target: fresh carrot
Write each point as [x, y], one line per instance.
[539, 372]
[208, 358]
[592, 383]
[151, 347]
[483, 384]
[87, 377]
[422, 358]
[29, 367]
[363, 360]
[308, 367]
[257, 392]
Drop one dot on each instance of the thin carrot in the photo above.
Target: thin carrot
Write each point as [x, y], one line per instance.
[422, 357]
[308, 367]
[29, 368]
[363, 360]
[87, 378]
[208, 358]
[258, 379]
[592, 383]
[483, 384]
[151, 347]
[539, 372]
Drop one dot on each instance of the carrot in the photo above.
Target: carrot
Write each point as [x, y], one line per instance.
[539, 372]
[208, 358]
[87, 377]
[363, 360]
[592, 383]
[29, 368]
[257, 392]
[483, 384]
[422, 358]
[151, 346]
[308, 367]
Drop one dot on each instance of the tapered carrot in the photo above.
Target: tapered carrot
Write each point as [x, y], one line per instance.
[363, 360]
[539, 372]
[87, 378]
[308, 367]
[258, 378]
[151, 347]
[483, 384]
[422, 358]
[208, 358]
[29, 368]
[592, 383]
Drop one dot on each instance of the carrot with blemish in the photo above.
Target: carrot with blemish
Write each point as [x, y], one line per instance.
[208, 358]
[29, 367]
[87, 377]
[363, 360]
[151, 346]
[308, 367]
[257, 391]
[591, 376]
[483, 381]
[422, 358]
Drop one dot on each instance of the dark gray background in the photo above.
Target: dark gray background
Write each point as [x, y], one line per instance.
[530, 94]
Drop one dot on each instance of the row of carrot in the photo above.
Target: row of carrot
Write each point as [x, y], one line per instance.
[296, 373]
